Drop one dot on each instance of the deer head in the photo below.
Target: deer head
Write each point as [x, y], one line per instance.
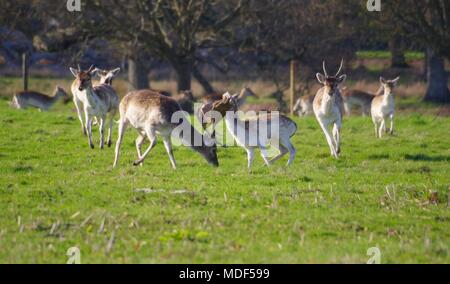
[389, 85]
[83, 79]
[107, 77]
[331, 83]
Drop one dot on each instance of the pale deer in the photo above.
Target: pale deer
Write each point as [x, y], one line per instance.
[107, 76]
[383, 107]
[353, 98]
[151, 113]
[208, 102]
[23, 100]
[304, 106]
[100, 102]
[328, 108]
[244, 131]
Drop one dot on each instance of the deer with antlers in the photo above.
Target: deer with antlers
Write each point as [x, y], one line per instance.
[328, 107]
[97, 101]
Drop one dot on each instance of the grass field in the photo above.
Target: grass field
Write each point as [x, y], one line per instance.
[56, 193]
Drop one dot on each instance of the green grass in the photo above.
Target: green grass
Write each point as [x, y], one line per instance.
[380, 54]
[55, 193]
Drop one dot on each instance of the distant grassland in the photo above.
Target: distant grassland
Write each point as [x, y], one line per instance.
[56, 193]
[381, 54]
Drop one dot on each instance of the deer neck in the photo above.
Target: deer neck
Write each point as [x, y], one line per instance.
[328, 102]
[91, 96]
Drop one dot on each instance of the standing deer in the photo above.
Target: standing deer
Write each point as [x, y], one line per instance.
[353, 98]
[383, 107]
[244, 130]
[107, 77]
[328, 107]
[99, 101]
[150, 113]
[304, 106]
[23, 100]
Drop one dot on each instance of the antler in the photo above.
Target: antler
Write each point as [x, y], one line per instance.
[79, 68]
[325, 69]
[340, 68]
[90, 69]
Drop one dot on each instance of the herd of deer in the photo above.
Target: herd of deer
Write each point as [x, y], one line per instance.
[150, 112]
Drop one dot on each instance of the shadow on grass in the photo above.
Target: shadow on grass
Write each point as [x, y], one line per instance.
[379, 157]
[426, 158]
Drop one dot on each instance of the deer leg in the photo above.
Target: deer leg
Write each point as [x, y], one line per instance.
[264, 155]
[283, 152]
[292, 152]
[382, 128]
[110, 130]
[329, 140]
[151, 135]
[80, 116]
[168, 146]
[250, 157]
[122, 128]
[391, 131]
[102, 132]
[337, 137]
[89, 129]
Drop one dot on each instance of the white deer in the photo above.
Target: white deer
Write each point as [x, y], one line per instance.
[99, 102]
[107, 76]
[383, 107]
[328, 108]
[150, 113]
[23, 100]
[247, 133]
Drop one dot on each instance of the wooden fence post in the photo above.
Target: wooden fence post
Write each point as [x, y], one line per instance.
[25, 70]
[292, 91]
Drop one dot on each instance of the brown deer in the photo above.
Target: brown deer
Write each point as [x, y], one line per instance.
[328, 107]
[23, 100]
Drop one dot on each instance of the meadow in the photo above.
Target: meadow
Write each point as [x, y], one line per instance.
[56, 193]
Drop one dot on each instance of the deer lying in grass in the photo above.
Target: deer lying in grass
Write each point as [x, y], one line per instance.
[150, 113]
[99, 101]
[23, 100]
[107, 76]
[244, 131]
[304, 106]
[383, 107]
[328, 107]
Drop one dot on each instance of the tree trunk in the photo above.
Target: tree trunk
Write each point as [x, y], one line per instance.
[25, 67]
[437, 79]
[184, 73]
[137, 74]
[209, 89]
[398, 59]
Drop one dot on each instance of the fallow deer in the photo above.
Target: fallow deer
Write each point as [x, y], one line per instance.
[150, 113]
[23, 100]
[383, 107]
[353, 98]
[244, 131]
[100, 101]
[304, 106]
[107, 76]
[328, 107]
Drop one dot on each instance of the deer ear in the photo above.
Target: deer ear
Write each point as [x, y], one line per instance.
[74, 71]
[382, 80]
[342, 79]
[320, 78]
[116, 71]
[395, 81]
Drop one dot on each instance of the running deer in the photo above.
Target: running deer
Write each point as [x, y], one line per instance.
[150, 113]
[23, 100]
[304, 106]
[244, 131]
[107, 77]
[383, 107]
[100, 102]
[328, 107]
